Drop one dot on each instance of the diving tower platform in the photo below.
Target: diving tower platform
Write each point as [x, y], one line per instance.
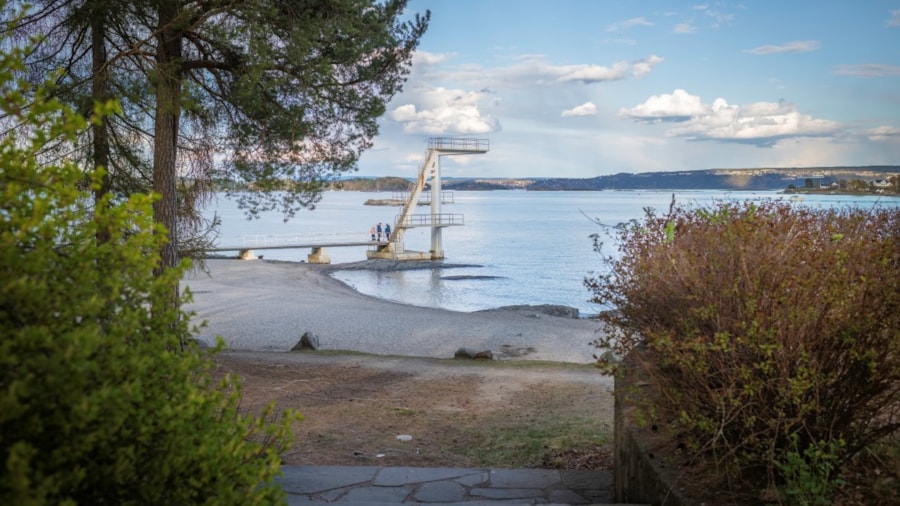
[429, 172]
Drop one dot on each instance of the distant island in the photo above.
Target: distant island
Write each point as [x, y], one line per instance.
[880, 179]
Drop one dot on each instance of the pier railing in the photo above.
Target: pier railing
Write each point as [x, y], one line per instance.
[434, 220]
[447, 197]
[271, 240]
[459, 144]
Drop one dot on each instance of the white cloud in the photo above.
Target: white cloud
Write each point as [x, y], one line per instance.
[868, 70]
[444, 112]
[883, 133]
[797, 46]
[425, 58]
[591, 73]
[761, 123]
[679, 106]
[629, 23]
[895, 18]
[643, 67]
[585, 109]
[480, 96]
[534, 69]
[683, 29]
[718, 18]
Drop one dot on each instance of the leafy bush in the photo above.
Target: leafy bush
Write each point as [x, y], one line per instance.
[762, 327]
[98, 402]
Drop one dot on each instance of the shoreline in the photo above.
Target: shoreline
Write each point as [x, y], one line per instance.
[263, 305]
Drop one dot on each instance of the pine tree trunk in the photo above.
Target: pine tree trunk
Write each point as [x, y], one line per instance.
[168, 110]
[165, 152]
[100, 92]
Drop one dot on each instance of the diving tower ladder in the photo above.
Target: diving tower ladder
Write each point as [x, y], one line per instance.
[430, 171]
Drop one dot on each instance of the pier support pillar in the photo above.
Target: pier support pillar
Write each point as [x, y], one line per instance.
[318, 256]
[247, 254]
[437, 243]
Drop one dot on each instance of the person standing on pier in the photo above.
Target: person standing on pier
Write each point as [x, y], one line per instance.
[372, 231]
[387, 232]
[378, 228]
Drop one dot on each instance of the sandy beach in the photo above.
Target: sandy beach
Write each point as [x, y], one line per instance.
[259, 305]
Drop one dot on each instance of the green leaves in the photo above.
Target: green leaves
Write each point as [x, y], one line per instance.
[98, 402]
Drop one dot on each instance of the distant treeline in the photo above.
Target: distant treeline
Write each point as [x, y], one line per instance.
[710, 179]
[376, 184]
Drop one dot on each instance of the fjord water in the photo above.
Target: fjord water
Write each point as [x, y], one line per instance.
[529, 247]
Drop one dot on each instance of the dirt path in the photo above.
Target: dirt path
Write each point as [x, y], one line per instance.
[448, 412]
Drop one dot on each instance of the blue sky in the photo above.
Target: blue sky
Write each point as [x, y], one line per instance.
[581, 88]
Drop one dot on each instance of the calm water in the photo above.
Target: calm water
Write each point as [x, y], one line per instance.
[536, 246]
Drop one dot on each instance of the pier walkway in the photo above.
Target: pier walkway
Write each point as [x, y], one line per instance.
[317, 243]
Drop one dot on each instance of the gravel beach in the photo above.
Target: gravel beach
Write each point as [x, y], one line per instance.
[259, 305]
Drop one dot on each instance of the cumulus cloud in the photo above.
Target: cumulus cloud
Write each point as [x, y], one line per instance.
[678, 106]
[629, 23]
[471, 105]
[797, 46]
[895, 18]
[683, 29]
[868, 70]
[585, 109]
[444, 112]
[762, 124]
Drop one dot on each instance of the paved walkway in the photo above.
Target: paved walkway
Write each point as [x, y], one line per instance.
[443, 485]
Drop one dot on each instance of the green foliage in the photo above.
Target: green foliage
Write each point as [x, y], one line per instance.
[754, 322]
[98, 402]
[808, 476]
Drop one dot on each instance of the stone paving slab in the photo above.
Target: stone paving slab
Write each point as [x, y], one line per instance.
[373, 486]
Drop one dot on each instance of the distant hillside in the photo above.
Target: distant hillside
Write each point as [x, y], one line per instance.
[710, 179]
[717, 179]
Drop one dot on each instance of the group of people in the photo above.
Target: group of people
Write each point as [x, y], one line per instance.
[380, 233]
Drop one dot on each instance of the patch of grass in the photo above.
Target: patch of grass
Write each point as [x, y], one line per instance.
[556, 421]
[517, 363]
[326, 438]
[526, 443]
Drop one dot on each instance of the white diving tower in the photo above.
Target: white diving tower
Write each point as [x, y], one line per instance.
[429, 172]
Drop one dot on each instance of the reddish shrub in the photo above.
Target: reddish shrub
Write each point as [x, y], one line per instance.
[762, 327]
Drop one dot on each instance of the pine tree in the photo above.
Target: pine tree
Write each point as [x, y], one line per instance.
[278, 94]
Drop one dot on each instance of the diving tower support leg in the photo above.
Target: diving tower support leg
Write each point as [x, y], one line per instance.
[437, 244]
[318, 256]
